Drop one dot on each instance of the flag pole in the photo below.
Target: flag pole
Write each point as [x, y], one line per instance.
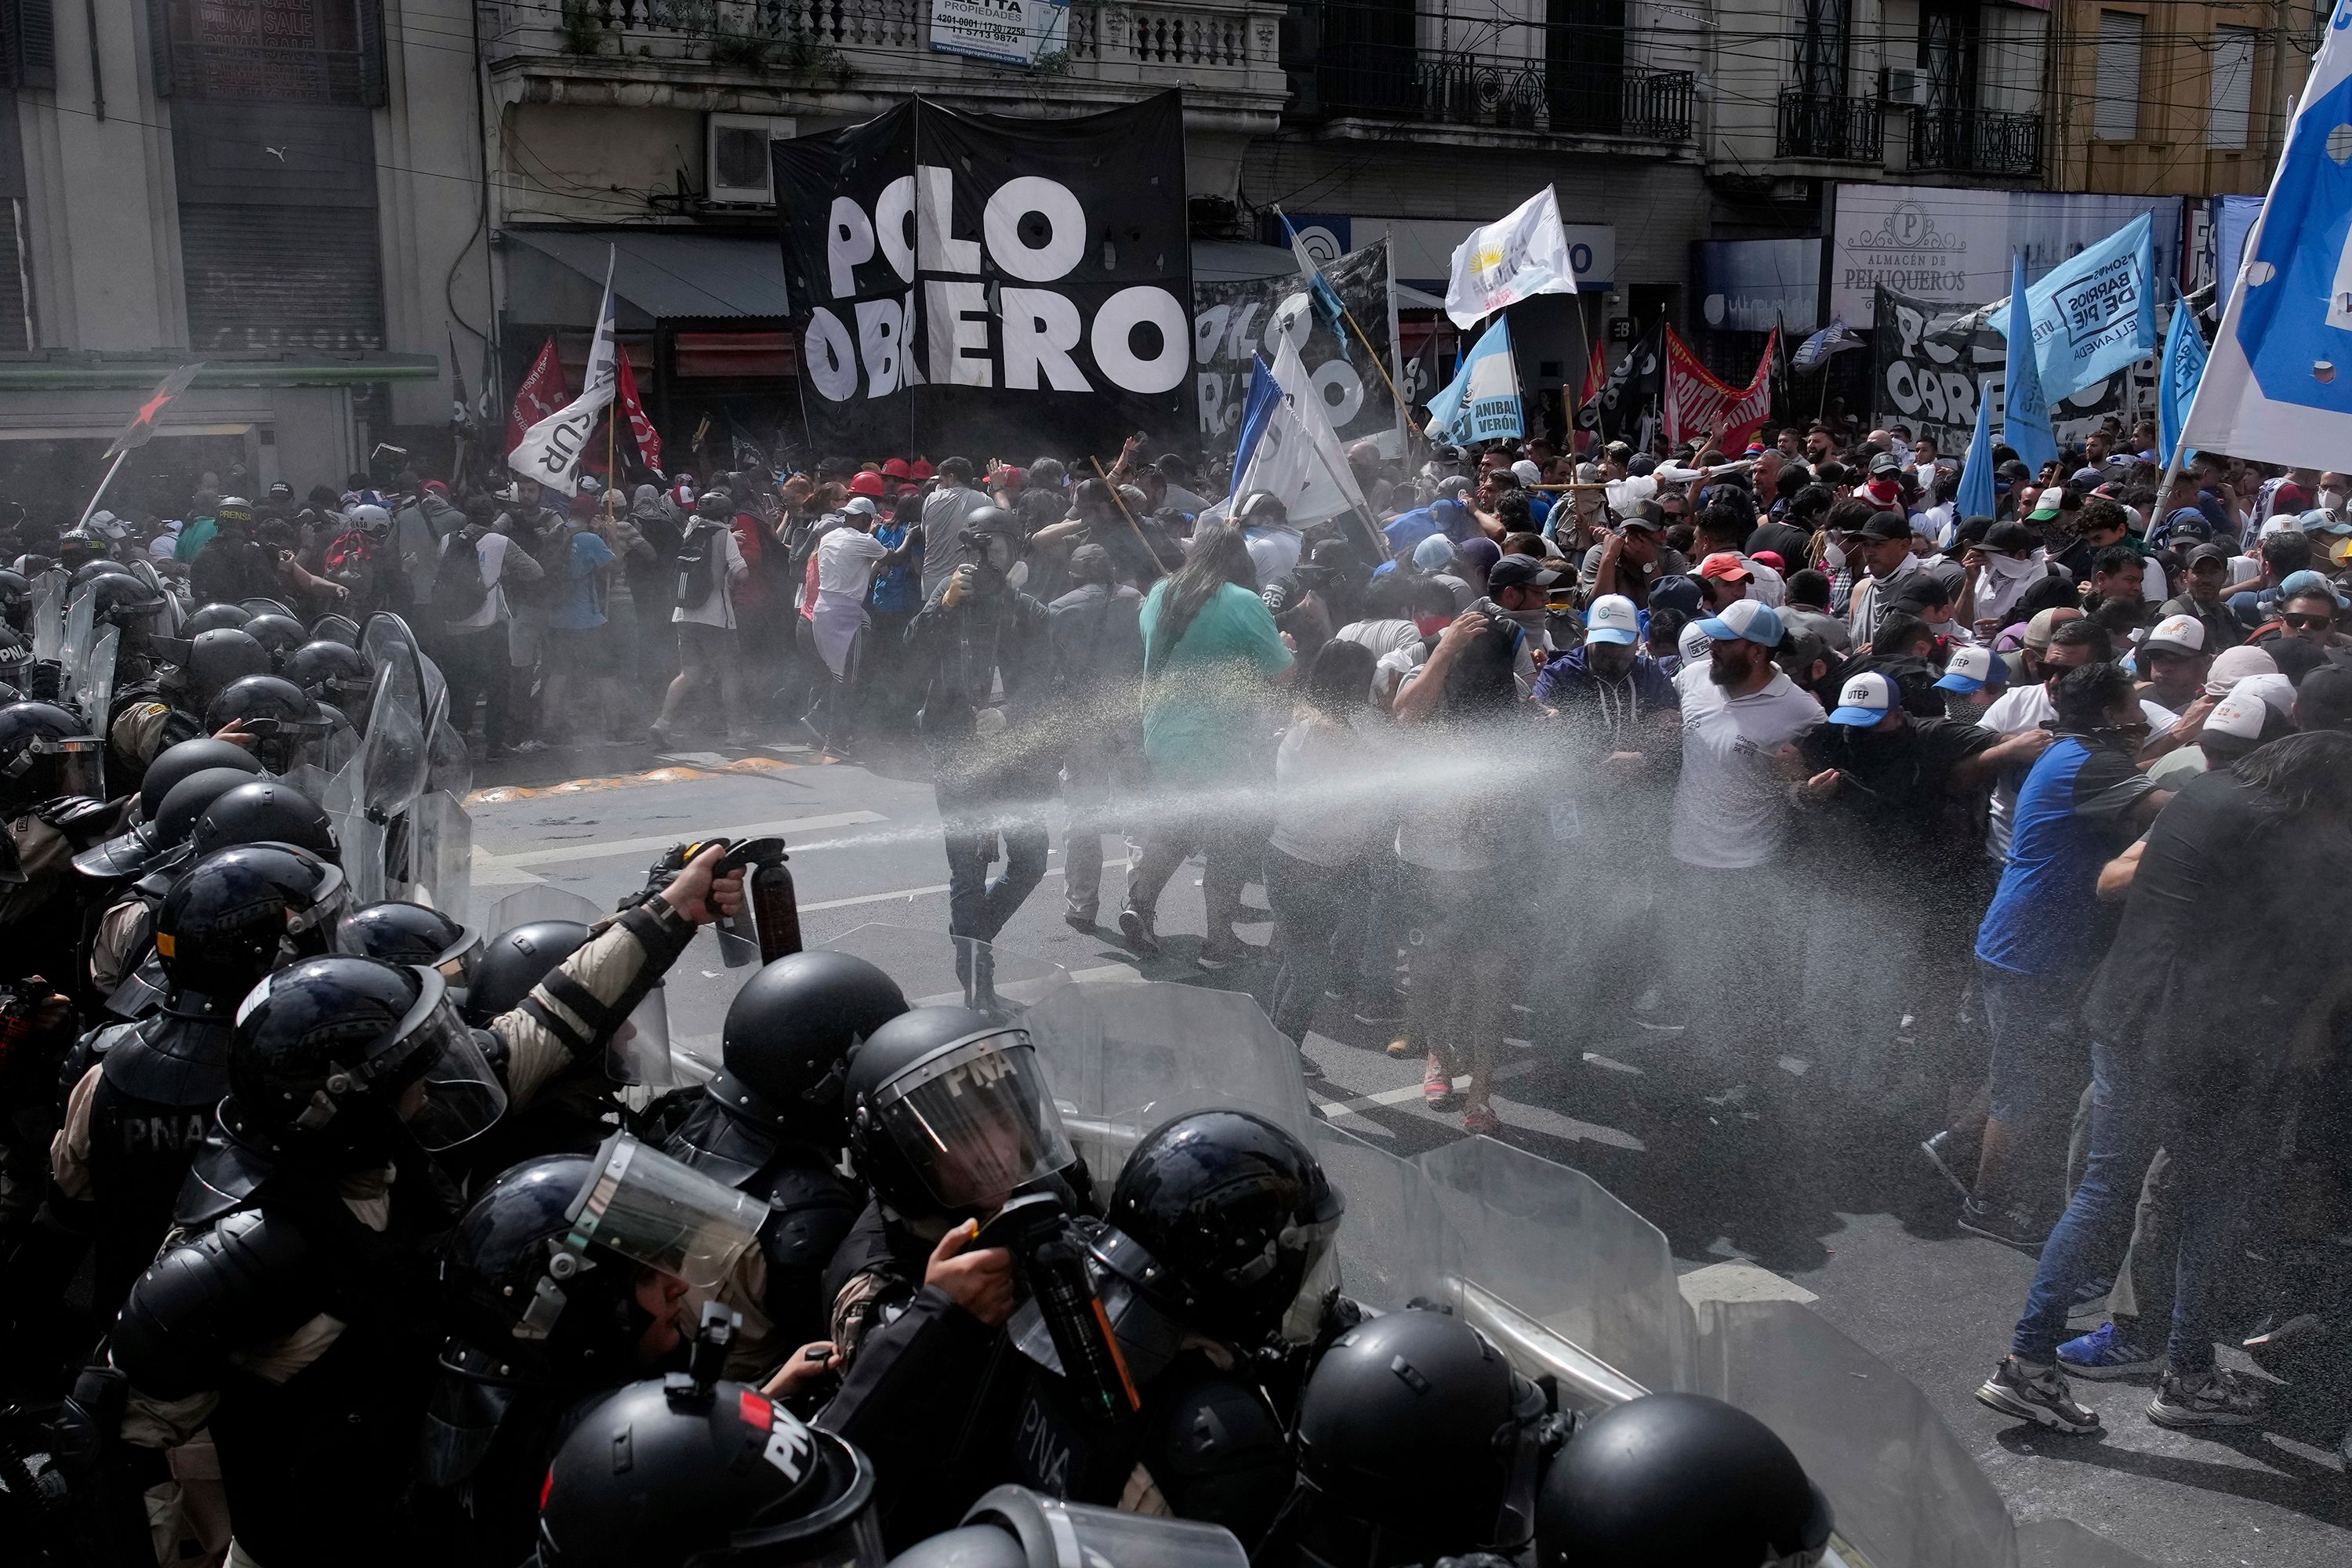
[1119, 502]
[1349, 316]
[91, 509]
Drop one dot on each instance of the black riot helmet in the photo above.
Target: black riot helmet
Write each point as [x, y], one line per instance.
[399, 932]
[949, 1113]
[264, 811]
[132, 852]
[125, 600]
[790, 1032]
[281, 635]
[1681, 1479]
[1219, 1217]
[103, 566]
[675, 1472]
[516, 960]
[1012, 1527]
[331, 671]
[336, 629]
[15, 597]
[1416, 1441]
[219, 657]
[240, 913]
[266, 606]
[339, 1059]
[212, 617]
[285, 723]
[45, 753]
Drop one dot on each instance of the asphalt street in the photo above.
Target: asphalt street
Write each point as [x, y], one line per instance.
[1802, 1194]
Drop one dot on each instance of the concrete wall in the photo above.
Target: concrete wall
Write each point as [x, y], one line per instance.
[102, 218]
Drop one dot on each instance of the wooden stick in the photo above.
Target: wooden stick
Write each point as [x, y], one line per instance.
[1119, 502]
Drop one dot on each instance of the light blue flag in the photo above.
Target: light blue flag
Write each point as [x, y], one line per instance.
[2176, 387]
[2095, 314]
[1481, 401]
[1264, 397]
[2025, 413]
[1976, 494]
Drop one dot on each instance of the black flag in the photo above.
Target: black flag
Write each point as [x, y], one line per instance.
[1638, 382]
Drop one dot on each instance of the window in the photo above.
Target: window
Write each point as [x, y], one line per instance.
[2232, 86]
[1825, 27]
[2115, 113]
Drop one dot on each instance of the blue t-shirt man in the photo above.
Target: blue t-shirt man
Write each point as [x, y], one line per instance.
[2073, 815]
[578, 610]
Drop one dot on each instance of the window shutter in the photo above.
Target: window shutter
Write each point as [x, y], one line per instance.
[33, 44]
[372, 92]
[2232, 86]
[159, 45]
[2114, 114]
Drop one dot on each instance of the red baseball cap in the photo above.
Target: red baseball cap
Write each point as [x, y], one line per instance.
[1726, 566]
[866, 482]
[1769, 558]
[918, 470]
[896, 468]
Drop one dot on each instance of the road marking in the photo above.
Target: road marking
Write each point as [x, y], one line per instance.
[1738, 1282]
[499, 794]
[606, 849]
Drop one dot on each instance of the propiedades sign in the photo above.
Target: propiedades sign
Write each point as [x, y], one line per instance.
[992, 287]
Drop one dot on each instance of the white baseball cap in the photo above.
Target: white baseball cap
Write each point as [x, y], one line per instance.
[2242, 713]
[2178, 634]
[1971, 668]
[1864, 699]
[1751, 619]
[2275, 689]
[1611, 619]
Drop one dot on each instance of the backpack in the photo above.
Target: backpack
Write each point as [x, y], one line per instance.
[698, 565]
[459, 590]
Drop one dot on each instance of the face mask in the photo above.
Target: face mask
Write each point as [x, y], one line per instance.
[2332, 499]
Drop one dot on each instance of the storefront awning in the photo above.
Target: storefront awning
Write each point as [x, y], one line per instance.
[665, 275]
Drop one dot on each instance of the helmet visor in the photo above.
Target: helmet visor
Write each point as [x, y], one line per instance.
[657, 1211]
[976, 1119]
[458, 1096]
[1058, 1534]
[79, 764]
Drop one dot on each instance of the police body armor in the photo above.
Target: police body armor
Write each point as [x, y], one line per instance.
[811, 1209]
[149, 1113]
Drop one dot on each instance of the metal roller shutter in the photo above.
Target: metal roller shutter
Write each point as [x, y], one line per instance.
[274, 277]
[2114, 114]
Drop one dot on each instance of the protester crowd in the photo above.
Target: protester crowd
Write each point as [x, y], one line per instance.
[2032, 824]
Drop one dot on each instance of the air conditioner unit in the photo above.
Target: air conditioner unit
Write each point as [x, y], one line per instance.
[736, 165]
[1902, 87]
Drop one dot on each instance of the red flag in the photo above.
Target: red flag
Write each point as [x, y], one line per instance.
[1698, 403]
[142, 422]
[540, 393]
[641, 430]
[1595, 372]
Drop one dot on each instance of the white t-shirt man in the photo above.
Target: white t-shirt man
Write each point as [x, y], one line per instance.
[491, 552]
[1731, 804]
[2014, 712]
[845, 565]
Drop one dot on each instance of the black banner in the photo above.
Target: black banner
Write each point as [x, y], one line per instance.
[1235, 322]
[1637, 383]
[990, 287]
[1933, 361]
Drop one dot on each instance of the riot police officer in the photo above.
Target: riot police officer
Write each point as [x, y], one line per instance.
[1682, 1478]
[1218, 1225]
[400, 932]
[771, 1124]
[52, 795]
[551, 1296]
[345, 1077]
[1416, 1440]
[285, 725]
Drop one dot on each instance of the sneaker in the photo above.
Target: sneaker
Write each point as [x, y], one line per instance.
[1216, 955]
[1437, 1086]
[2010, 1227]
[2214, 1397]
[1309, 1068]
[1404, 1048]
[659, 738]
[2095, 1289]
[1943, 1152]
[531, 745]
[1386, 1007]
[1136, 927]
[1649, 1013]
[1078, 919]
[2103, 1353]
[2038, 1395]
[1480, 1121]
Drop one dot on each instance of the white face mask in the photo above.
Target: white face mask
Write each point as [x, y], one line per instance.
[2332, 499]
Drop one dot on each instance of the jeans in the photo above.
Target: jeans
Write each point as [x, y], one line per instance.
[1309, 902]
[2208, 1130]
[978, 906]
[2037, 1056]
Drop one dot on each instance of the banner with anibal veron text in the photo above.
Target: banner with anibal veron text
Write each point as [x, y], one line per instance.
[1934, 361]
[990, 287]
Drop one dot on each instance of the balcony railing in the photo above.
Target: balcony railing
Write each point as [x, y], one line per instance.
[1838, 130]
[1400, 82]
[1977, 141]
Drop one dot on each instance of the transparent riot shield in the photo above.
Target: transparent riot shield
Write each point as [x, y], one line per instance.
[47, 621]
[441, 842]
[2062, 1543]
[165, 622]
[81, 634]
[96, 698]
[1127, 1056]
[1903, 1488]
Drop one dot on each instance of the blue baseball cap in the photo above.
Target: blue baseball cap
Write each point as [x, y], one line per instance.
[2297, 583]
[1864, 699]
[1745, 618]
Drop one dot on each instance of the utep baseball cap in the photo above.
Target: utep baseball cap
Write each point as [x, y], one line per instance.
[1972, 669]
[1749, 618]
[1864, 699]
[2177, 634]
[1611, 619]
